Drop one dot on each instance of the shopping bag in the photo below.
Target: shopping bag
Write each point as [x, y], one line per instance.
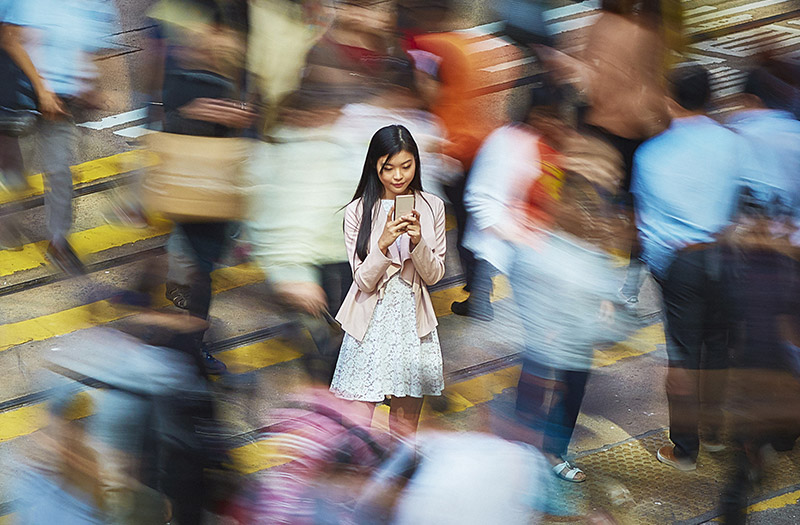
[196, 179]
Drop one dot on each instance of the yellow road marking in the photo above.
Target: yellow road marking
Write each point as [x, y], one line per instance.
[784, 500]
[84, 242]
[264, 454]
[28, 419]
[642, 342]
[258, 356]
[442, 299]
[450, 222]
[777, 502]
[101, 312]
[91, 171]
[461, 396]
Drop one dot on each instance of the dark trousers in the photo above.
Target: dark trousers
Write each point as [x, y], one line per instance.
[559, 421]
[455, 194]
[336, 279]
[479, 278]
[208, 241]
[697, 327]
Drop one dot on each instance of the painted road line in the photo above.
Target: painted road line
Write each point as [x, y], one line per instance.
[250, 458]
[27, 420]
[777, 502]
[259, 355]
[135, 132]
[505, 66]
[773, 503]
[116, 120]
[571, 25]
[571, 10]
[264, 454]
[102, 312]
[483, 30]
[86, 242]
[489, 44]
[750, 6]
[698, 10]
[84, 316]
[88, 172]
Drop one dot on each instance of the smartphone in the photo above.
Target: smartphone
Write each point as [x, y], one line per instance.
[403, 204]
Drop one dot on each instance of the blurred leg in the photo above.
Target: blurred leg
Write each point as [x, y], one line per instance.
[207, 241]
[685, 307]
[564, 412]
[11, 164]
[12, 180]
[56, 140]
[404, 415]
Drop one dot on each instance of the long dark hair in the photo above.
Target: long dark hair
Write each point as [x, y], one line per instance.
[390, 141]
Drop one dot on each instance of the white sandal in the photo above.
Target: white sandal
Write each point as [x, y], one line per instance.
[567, 472]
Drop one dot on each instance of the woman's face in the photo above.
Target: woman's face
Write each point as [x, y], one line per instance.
[396, 173]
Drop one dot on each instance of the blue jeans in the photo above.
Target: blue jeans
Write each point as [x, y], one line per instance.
[559, 421]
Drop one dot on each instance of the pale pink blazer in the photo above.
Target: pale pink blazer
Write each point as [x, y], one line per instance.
[423, 267]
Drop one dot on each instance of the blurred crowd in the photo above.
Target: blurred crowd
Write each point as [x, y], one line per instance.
[326, 141]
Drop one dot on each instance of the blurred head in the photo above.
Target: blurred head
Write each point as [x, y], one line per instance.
[619, 7]
[690, 88]
[378, 17]
[424, 15]
[775, 84]
[544, 112]
[391, 168]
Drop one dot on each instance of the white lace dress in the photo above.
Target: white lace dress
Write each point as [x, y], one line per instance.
[391, 359]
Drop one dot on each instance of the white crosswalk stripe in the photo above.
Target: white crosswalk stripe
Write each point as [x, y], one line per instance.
[748, 43]
[116, 120]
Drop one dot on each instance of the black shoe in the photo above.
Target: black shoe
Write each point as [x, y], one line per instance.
[64, 258]
[178, 294]
[213, 365]
[486, 313]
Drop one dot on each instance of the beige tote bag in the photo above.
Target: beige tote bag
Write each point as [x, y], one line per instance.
[196, 179]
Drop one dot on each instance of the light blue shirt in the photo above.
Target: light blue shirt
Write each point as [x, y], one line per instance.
[774, 140]
[686, 183]
[62, 35]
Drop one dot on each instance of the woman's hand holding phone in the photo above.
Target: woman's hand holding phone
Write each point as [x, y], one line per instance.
[392, 230]
[412, 228]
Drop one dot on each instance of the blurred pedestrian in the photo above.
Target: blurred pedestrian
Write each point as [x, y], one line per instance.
[323, 451]
[61, 38]
[474, 478]
[685, 183]
[200, 89]
[466, 120]
[624, 54]
[353, 60]
[761, 258]
[563, 280]
[391, 347]
[517, 153]
[772, 133]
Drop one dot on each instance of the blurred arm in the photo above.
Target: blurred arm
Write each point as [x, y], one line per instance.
[11, 41]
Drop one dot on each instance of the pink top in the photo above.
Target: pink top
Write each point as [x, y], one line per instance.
[422, 267]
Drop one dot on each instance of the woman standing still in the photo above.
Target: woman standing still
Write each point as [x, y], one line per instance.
[391, 347]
